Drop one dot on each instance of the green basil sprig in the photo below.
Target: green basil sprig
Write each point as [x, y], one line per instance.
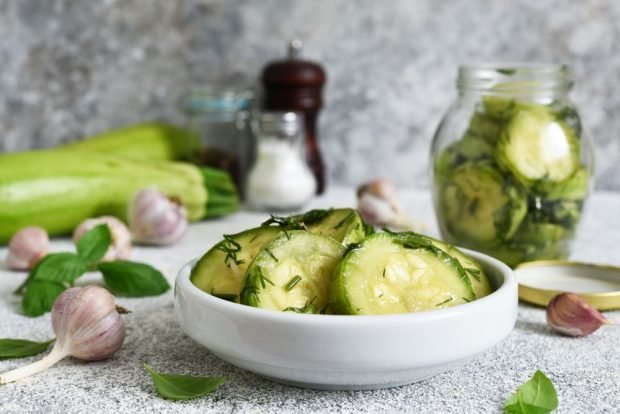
[58, 271]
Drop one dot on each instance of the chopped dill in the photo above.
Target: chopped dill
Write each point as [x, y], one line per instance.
[291, 283]
[270, 253]
[444, 302]
[344, 220]
[475, 273]
[231, 297]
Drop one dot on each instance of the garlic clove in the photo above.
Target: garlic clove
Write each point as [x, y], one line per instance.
[570, 315]
[120, 247]
[156, 219]
[27, 247]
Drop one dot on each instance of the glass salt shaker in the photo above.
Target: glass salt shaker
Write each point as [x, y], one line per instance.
[219, 119]
[280, 179]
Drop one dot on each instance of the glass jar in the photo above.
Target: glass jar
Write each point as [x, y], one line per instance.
[218, 116]
[511, 163]
[280, 179]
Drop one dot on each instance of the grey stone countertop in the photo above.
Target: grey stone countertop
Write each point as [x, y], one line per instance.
[585, 371]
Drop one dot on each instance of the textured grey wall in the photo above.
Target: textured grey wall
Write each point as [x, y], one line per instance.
[72, 68]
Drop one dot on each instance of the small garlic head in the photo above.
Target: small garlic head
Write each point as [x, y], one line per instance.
[570, 315]
[27, 247]
[120, 247]
[87, 323]
[156, 219]
[375, 210]
[382, 189]
[378, 204]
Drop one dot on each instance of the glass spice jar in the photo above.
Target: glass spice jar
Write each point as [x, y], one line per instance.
[219, 118]
[280, 179]
[511, 163]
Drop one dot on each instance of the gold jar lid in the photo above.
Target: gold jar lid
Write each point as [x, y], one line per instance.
[539, 281]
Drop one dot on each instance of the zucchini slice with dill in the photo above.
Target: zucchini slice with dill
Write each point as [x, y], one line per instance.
[220, 271]
[292, 273]
[398, 273]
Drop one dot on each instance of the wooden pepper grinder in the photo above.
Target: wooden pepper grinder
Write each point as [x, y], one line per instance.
[296, 85]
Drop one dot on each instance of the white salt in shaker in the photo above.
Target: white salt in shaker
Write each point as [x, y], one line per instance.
[280, 179]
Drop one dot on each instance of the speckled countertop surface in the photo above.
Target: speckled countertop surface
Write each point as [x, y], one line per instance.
[586, 371]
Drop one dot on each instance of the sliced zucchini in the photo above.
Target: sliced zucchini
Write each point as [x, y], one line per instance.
[575, 187]
[503, 109]
[342, 224]
[391, 273]
[292, 273]
[477, 276]
[485, 127]
[477, 206]
[535, 147]
[470, 148]
[220, 270]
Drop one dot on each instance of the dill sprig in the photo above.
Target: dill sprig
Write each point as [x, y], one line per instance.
[309, 307]
[231, 248]
[298, 221]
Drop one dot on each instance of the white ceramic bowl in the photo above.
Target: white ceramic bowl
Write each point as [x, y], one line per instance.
[349, 352]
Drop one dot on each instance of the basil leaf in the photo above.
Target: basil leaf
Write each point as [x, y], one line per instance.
[94, 243]
[62, 268]
[536, 396]
[183, 387]
[133, 279]
[40, 296]
[19, 348]
[59, 267]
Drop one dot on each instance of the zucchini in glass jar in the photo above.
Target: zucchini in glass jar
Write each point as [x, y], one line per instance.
[511, 163]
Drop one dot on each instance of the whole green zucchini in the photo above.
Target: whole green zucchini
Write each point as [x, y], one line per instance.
[58, 189]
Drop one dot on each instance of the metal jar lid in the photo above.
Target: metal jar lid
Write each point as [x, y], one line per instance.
[539, 281]
[280, 123]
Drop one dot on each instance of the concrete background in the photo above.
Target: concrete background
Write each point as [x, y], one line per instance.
[70, 69]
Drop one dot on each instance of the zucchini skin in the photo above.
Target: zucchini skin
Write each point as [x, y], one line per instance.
[145, 141]
[58, 189]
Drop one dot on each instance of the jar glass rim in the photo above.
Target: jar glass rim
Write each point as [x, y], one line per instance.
[514, 77]
[218, 98]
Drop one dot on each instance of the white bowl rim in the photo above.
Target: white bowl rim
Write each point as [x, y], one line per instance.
[183, 282]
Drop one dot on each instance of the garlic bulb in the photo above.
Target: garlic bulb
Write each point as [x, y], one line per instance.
[120, 247]
[27, 247]
[156, 219]
[88, 326]
[570, 315]
[378, 204]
